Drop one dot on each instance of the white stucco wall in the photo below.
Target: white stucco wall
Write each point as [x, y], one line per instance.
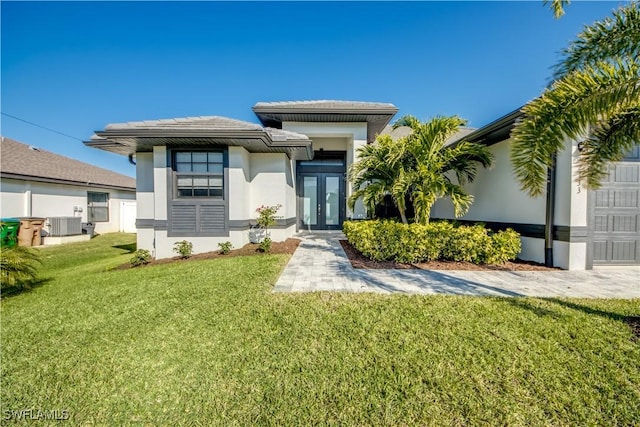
[499, 198]
[160, 171]
[144, 185]
[254, 179]
[21, 198]
[272, 183]
[239, 183]
[312, 129]
[164, 243]
[497, 195]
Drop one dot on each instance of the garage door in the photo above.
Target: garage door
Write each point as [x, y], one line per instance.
[615, 214]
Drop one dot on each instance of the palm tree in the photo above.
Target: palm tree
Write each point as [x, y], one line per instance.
[18, 267]
[595, 97]
[421, 166]
[373, 177]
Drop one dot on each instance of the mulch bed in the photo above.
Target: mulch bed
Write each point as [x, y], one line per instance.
[287, 247]
[360, 261]
[634, 324]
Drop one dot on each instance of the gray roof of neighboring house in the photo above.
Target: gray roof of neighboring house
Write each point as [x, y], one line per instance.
[403, 131]
[129, 138]
[376, 114]
[23, 161]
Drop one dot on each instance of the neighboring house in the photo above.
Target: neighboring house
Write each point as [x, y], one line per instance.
[202, 178]
[590, 228]
[39, 183]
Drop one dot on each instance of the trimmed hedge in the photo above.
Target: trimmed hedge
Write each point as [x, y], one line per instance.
[442, 240]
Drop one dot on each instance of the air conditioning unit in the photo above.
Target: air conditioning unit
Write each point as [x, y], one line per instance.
[65, 226]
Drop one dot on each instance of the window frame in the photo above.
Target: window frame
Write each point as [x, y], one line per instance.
[208, 175]
[91, 207]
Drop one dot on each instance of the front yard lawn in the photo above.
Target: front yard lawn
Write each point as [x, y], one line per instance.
[207, 343]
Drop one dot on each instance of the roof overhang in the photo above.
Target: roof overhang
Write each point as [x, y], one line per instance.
[127, 139]
[376, 115]
[496, 131]
[35, 178]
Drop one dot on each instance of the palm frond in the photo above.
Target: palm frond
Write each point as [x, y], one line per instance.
[18, 267]
[608, 142]
[557, 6]
[464, 158]
[408, 120]
[580, 100]
[615, 38]
[416, 166]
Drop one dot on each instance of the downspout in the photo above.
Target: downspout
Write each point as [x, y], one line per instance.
[550, 213]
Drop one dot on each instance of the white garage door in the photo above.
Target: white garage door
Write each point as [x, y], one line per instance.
[615, 214]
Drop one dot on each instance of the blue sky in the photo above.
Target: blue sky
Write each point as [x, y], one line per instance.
[77, 66]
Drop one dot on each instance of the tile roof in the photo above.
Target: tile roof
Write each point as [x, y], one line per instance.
[18, 159]
[403, 131]
[327, 104]
[200, 122]
[205, 131]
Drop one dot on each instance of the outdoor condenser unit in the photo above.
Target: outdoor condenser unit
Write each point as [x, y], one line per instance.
[65, 226]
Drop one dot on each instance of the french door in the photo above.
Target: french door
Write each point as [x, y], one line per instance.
[322, 200]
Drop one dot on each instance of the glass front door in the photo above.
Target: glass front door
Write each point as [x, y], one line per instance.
[323, 201]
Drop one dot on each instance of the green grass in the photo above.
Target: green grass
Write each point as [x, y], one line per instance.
[207, 343]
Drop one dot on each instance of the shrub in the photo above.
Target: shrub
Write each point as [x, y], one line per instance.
[267, 215]
[18, 267]
[265, 245]
[183, 248]
[389, 240]
[225, 247]
[140, 257]
[505, 246]
[267, 218]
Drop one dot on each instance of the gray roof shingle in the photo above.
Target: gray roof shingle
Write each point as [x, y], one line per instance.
[200, 122]
[22, 160]
[205, 131]
[327, 104]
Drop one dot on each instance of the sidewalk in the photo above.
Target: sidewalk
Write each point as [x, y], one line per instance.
[320, 264]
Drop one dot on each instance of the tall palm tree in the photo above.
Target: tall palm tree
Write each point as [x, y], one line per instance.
[373, 177]
[421, 166]
[595, 97]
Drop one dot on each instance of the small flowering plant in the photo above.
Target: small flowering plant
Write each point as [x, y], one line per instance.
[266, 218]
[267, 215]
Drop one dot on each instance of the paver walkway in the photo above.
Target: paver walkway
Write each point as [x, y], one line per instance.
[320, 264]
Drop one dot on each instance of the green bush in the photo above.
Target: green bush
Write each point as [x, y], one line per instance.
[18, 267]
[225, 247]
[442, 240]
[505, 245]
[183, 248]
[265, 245]
[140, 257]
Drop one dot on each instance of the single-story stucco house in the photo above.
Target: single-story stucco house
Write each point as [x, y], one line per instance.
[202, 179]
[38, 183]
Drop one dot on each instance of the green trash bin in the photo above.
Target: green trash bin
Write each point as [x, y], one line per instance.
[9, 232]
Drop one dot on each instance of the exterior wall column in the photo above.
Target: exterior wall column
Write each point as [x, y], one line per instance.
[571, 212]
[145, 202]
[359, 211]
